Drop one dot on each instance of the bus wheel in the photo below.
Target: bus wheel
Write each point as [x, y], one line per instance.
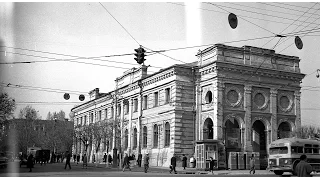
[279, 173]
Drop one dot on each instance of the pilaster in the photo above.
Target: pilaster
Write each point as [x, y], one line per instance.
[247, 108]
[273, 109]
[297, 112]
[130, 123]
[219, 109]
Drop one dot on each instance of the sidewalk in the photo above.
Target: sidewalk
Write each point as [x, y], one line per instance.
[156, 169]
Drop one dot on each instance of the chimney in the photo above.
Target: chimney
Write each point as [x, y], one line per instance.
[94, 94]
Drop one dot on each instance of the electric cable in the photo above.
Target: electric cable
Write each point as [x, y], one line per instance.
[280, 7]
[291, 5]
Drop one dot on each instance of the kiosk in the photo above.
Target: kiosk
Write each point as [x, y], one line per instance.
[210, 148]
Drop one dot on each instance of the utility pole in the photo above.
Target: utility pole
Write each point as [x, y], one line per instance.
[115, 157]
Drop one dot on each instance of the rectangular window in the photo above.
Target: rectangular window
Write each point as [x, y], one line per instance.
[85, 120]
[145, 137]
[315, 149]
[145, 102]
[81, 121]
[278, 150]
[106, 113]
[156, 99]
[167, 98]
[127, 108]
[135, 105]
[100, 115]
[118, 110]
[91, 117]
[296, 150]
[308, 148]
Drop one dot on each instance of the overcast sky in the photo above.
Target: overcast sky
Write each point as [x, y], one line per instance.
[52, 31]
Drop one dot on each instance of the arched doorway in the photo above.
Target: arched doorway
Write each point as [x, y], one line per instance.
[284, 130]
[259, 142]
[233, 135]
[208, 129]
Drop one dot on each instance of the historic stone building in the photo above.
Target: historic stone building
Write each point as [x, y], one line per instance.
[232, 99]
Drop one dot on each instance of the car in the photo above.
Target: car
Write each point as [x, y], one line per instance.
[3, 160]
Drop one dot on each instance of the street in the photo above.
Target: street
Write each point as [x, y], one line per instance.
[57, 170]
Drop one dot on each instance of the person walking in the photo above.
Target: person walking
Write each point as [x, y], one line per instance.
[109, 159]
[146, 163]
[30, 162]
[173, 164]
[85, 161]
[303, 169]
[68, 158]
[126, 163]
[184, 161]
[105, 158]
[78, 158]
[139, 159]
[74, 158]
[252, 164]
[211, 165]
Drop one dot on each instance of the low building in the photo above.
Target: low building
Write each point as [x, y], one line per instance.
[232, 99]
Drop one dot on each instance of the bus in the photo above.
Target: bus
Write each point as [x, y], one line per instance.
[284, 154]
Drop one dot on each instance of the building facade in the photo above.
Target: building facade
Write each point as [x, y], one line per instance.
[232, 99]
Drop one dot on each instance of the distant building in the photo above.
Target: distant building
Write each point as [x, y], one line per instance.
[232, 99]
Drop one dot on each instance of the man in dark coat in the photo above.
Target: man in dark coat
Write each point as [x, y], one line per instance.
[173, 164]
[78, 158]
[109, 159]
[303, 169]
[139, 160]
[105, 158]
[126, 163]
[74, 157]
[146, 163]
[184, 162]
[68, 157]
[30, 162]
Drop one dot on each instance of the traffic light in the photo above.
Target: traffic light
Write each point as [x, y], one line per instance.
[139, 55]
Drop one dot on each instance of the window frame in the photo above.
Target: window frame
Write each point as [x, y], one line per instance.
[145, 137]
[167, 134]
[156, 99]
[167, 95]
[155, 136]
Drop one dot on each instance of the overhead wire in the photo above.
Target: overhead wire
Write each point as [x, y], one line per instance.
[242, 18]
[279, 7]
[257, 13]
[239, 15]
[287, 28]
[303, 23]
[286, 4]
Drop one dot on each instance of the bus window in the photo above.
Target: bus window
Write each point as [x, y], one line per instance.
[278, 150]
[315, 149]
[296, 149]
[308, 148]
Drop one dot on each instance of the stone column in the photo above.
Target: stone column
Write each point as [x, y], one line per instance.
[297, 110]
[247, 117]
[242, 130]
[121, 126]
[268, 138]
[273, 110]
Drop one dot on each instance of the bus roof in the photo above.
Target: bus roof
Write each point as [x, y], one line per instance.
[296, 141]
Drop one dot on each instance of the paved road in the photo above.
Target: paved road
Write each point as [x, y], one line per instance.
[57, 170]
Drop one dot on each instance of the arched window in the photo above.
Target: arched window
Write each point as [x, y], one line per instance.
[155, 136]
[135, 138]
[167, 134]
[145, 136]
[208, 129]
[284, 130]
[126, 136]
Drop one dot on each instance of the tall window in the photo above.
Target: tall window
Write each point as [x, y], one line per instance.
[135, 105]
[167, 134]
[112, 112]
[81, 121]
[135, 138]
[85, 119]
[145, 136]
[155, 136]
[167, 98]
[127, 108]
[100, 115]
[126, 139]
[106, 113]
[145, 102]
[77, 122]
[118, 110]
[156, 99]
[91, 117]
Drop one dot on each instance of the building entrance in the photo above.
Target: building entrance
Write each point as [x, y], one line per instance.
[259, 142]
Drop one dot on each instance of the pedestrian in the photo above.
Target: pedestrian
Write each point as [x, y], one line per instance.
[68, 158]
[109, 159]
[252, 164]
[184, 161]
[93, 158]
[211, 165]
[173, 164]
[85, 161]
[78, 158]
[303, 169]
[146, 163]
[30, 162]
[74, 158]
[139, 159]
[105, 158]
[126, 163]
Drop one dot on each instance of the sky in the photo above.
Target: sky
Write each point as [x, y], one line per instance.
[62, 33]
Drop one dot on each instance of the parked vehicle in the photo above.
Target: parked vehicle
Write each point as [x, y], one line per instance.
[42, 155]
